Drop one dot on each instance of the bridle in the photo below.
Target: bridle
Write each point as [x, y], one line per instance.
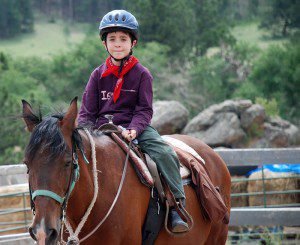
[74, 176]
[73, 238]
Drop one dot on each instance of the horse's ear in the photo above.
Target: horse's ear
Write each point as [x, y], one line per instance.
[30, 119]
[69, 120]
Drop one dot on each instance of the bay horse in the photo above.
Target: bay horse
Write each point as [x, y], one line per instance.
[49, 158]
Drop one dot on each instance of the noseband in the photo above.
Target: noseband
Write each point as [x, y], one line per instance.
[74, 177]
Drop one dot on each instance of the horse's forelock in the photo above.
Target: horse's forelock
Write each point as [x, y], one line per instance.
[47, 136]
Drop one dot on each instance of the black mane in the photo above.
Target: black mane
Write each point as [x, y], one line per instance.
[47, 136]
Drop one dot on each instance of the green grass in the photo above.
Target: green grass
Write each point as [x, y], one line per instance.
[46, 40]
[250, 33]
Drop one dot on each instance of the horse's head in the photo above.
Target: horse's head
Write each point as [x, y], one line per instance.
[49, 160]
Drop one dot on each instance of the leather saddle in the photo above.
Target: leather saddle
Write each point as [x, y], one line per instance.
[148, 174]
[146, 167]
[192, 169]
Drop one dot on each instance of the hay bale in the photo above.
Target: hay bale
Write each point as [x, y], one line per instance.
[239, 187]
[14, 202]
[273, 185]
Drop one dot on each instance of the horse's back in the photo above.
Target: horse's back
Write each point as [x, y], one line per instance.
[214, 164]
[220, 176]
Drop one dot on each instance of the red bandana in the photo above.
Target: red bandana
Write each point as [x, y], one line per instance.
[113, 69]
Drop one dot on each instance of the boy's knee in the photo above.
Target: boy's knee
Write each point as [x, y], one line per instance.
[167, 153]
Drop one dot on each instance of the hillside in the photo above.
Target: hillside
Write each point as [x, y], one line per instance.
[48, 39]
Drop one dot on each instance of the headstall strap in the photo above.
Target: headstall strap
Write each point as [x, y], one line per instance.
[74, 176]
[31, 201]
[75, 172]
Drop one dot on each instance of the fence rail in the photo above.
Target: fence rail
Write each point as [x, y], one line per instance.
[255, 158]
[265, 216]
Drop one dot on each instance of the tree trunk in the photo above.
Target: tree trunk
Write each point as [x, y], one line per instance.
[71, 12]
[284, 28]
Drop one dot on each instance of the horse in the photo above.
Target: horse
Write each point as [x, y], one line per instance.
[49, 158]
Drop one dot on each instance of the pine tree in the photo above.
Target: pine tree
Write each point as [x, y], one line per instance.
[15, 17]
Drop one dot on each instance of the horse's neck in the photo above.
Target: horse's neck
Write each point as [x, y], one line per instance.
[109, 168]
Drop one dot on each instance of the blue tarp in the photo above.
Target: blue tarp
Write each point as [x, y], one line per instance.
[279, 168]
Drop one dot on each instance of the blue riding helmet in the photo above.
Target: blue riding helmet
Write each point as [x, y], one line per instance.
[119, 20]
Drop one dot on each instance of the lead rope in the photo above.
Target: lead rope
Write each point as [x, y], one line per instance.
[73, 238]
[116, 197]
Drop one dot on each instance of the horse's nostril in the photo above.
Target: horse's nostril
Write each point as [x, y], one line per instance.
[52, 235]
[32, 233]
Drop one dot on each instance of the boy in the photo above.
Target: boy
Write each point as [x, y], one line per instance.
[123, 87]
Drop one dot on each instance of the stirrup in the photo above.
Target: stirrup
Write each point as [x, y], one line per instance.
[177, 224]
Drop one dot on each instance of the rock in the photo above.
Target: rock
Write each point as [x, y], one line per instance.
[169, 117]
[278, 132]
[201, 122]
[208, 117]
[275, 136]
[236, 106]
[226, 124]
[293, 133]
[226, 130]
[254, 115]
[279, 122]
[290, 130]
[219, 124]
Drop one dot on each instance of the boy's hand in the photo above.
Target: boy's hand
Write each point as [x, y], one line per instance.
[129, 134]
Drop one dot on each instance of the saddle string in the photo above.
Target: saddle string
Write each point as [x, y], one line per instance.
[74, 235]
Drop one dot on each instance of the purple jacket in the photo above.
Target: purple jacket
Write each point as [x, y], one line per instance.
[132, 110]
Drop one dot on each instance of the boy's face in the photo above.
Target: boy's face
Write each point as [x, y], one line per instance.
[119, 44]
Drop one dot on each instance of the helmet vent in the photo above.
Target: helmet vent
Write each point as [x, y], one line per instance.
[117, 17]
[110, 18]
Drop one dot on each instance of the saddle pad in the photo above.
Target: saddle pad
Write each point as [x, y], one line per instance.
[184, 171]
[183, 146]
[141, 166]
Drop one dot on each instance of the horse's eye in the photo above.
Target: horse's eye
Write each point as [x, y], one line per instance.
[68, 164]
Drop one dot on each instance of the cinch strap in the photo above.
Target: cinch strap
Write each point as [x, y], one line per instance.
[47, 193]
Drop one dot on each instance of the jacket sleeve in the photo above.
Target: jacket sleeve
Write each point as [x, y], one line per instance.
[88, 113]
[143, 110]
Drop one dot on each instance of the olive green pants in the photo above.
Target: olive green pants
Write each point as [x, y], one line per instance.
[165, 158]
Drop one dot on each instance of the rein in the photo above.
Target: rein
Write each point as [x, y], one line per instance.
[116, 197]
[73, 238]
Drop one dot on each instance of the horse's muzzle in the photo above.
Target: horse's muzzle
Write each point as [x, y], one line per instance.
[43, 235]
